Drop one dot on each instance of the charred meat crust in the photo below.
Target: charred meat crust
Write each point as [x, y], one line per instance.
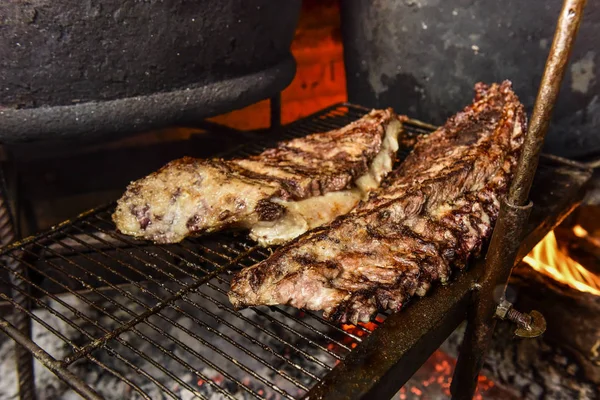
[268, 211]
[434, 213]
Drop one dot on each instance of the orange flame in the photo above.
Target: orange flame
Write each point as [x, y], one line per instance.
[549, 259]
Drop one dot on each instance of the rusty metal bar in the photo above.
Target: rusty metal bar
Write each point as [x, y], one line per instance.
[498, 266]
[514, 210]
[556, 64]
[50, 362]
[23, 357]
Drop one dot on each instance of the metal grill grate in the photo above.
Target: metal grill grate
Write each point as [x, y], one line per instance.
[157, 317]
[136, 320]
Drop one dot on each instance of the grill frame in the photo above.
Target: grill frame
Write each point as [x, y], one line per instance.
[446, 308]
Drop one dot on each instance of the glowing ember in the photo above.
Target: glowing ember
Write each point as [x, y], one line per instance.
[369, 325]
[433, 379]
[348, 327]
[218, 379]
[356, 330]
[579, 231]
[547, 258]
[402, 393]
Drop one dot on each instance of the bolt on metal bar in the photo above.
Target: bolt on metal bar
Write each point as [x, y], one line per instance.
[500, 258]
[514, 210]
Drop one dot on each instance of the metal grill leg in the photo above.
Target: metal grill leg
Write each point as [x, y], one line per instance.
[275, 103]
[21, 320]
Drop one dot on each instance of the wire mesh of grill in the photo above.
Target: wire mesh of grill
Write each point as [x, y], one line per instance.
[156, 319]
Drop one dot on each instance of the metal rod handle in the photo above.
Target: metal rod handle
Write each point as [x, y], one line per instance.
[513, 216]
[556, 65]
[504, 246]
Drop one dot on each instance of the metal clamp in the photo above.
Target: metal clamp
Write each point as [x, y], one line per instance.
[530, 325]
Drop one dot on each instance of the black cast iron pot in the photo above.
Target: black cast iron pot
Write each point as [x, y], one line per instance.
[422, 57]
[88, 68]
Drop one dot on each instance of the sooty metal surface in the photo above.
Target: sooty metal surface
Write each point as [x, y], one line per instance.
[137, 320]
[120, 66]
[92, 121]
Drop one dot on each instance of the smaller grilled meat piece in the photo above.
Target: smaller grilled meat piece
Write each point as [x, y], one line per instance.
[430, 215]
[278, 194]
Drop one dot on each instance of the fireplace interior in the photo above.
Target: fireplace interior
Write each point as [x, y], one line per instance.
[138, 321]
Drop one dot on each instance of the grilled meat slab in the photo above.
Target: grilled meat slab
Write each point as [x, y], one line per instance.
[429, 216]
[278, 194]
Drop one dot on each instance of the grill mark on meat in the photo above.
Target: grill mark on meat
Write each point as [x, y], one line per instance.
[290, 189]
[435, 213]
[305, 260]
[291, 163]
[268, 211]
